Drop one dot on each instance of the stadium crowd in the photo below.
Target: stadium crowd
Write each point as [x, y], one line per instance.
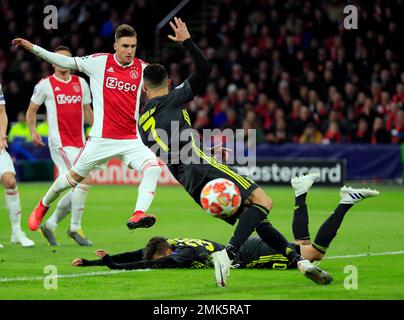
[288, 69]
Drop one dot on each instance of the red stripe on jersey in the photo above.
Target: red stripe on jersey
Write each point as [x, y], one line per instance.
[65, 158]
[120, 90]
[68, 100]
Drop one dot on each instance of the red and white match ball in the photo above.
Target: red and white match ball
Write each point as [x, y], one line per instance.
[220, 198]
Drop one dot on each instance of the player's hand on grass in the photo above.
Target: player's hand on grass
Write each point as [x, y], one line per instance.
[180, 29]
[101, 253]
[37, 140]
[20, 42]
[77, 262]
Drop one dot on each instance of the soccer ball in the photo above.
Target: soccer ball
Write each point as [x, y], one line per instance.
[220, 198]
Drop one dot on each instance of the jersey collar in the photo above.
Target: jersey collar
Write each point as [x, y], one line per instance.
[120, 64]
[64, 81]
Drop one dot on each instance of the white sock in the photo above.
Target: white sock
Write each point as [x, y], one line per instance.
[78, 199]
[14, 209]
[62, 183]
[147, 187]
[63, 208]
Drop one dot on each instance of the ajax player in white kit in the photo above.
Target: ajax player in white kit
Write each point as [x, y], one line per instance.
[115, 81]
[7, 175]
[67, 99]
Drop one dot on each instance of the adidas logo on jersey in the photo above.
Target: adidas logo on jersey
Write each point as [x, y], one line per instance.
[57, 89]
[63, 99]
[110, 70]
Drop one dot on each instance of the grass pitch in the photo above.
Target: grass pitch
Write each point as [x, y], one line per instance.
[372, 226]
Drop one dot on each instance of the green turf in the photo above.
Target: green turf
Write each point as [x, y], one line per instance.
[373, 226]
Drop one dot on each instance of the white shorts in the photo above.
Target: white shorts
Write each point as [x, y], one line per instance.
[64, 158]
[6, 164]
[98, 151]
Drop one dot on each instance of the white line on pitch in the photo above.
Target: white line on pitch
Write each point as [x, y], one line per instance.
[74, 275]
[365, 255]
[101, 273]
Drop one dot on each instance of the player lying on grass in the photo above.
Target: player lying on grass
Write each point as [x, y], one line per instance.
[254, 253]
[165, 113]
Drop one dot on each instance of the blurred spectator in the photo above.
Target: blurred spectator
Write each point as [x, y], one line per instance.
[311, 135]
[379, 133]
[362, 134]
[332, 135]
[19, 131]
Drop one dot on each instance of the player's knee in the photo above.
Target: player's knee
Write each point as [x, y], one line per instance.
[153, 171]
[259, 197]
[265, 202]
[9, 181]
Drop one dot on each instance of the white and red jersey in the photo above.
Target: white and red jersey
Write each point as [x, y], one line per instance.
[116, 92]
[64, 101]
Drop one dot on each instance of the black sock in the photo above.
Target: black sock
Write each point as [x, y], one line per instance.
[247, 223]
[329, 228]
[300, 224]
[276, 240]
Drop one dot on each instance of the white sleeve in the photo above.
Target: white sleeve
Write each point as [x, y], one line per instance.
[2, 100]
[90, 64]
[39, 94]
[55, 58]
[86, 91]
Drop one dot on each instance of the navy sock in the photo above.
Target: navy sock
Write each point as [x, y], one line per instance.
[248, 221]
[300, 224]
[329, 228]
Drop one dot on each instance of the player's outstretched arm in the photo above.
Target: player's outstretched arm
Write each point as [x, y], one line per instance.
[51, 57]
[199, 79]
[163, 263]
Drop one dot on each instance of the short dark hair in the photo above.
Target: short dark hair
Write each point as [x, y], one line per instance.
[154, 75]
[63, 48]
[156, 245]
[124, 30]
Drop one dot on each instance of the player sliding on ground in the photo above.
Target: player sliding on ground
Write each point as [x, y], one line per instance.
[254, 253]
[164, 112]
[115, 81]
[67, 99]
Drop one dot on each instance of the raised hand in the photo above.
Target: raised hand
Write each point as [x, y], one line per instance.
[20, 42]
[180, 29]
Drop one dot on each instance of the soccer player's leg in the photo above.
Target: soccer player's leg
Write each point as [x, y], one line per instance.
[142, 159]
[328, 230]
[276, 240]
[13, 203]
[95, 152]
[300, 226]
[79, 196]
[77, 200]
[63, 163]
